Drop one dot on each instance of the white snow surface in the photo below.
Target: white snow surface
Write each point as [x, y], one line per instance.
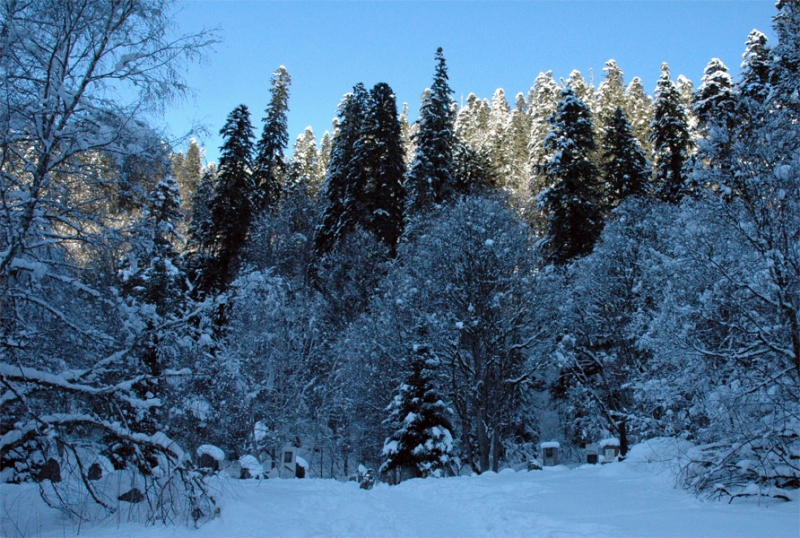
[636, 497]
[550, 444]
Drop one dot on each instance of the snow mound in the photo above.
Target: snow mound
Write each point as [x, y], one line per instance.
[211, 450]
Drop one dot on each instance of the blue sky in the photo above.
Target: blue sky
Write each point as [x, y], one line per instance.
[328, 46]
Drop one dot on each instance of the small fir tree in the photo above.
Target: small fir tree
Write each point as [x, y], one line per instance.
[422, 442]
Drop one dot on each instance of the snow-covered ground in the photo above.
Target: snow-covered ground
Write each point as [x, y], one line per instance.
[631, 498]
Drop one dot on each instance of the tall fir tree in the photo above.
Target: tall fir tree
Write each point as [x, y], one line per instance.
[231, 208]
[670, 138]
[625, 167]
[573, 204]
[379, 194]
[422, 441]
[269, 167]
[338, 217]
[431, 177]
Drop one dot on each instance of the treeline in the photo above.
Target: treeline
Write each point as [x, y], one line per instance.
[421, 298]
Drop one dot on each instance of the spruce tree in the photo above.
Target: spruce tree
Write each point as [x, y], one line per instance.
[573, 204]
[670, 138]
[231, 207]
[625, 167]
[431, 177]
[422, 441]
[269, 167]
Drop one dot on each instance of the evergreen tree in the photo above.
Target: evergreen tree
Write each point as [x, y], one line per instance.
[610, 94]
[519, 132]
[378, 194]
[497, 139]
[188, 172]
[714, 102]
[422, 442]
[431, 177]
[338, 217]
[542, 104]
[269, 167]
[232, 204]
[625, 167]
[583, 90]
[638, 108]
[573, 203]
[324, 157]
[303, 169]
[670, 138]
[753, 86]
[785, 65]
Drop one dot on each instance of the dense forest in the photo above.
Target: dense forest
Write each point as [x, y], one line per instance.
[435, 297]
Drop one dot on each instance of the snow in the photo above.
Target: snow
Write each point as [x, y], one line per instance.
[211, 450]
[550, 444]
[632, 498]
[252, 465]
[612, 441]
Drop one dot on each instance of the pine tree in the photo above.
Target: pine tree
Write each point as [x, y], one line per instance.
[573, 203]
[670, 138]
[431, 177]
[422, 441]
[231, 206]
[625, 167]
[338, 217]
[269, 167]
[379, 194]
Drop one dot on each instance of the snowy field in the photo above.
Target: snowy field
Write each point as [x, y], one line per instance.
[631, 498]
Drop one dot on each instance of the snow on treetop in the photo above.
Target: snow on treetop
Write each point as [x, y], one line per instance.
[550, 444]
[611, 441]
[211, 450]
